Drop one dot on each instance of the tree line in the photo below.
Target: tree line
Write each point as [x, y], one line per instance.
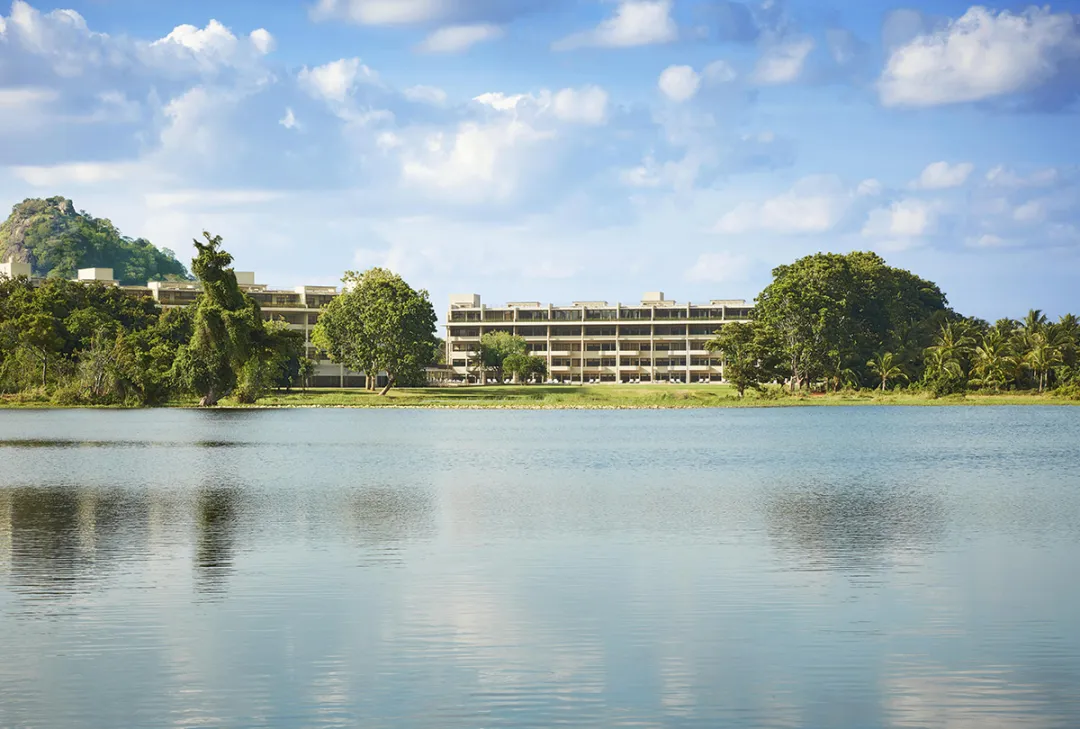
[828, 322]
[87, 343]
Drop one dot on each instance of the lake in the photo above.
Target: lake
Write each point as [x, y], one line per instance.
[796, 567]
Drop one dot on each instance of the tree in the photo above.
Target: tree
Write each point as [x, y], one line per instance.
[379, 324]
[945, 360]
[742, 355]
[1042, 355]
[524, 367]
[885, 366]
[230, 348]
[495, 348]
[305, 370]
[829, 313]
[992, 359]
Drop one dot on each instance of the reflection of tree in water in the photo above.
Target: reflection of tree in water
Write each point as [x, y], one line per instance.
[856, 525]
[59, 539]
[216, 511]
[386, 517]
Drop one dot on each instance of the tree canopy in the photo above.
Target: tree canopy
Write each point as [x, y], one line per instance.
[379, 324]
[57, 241]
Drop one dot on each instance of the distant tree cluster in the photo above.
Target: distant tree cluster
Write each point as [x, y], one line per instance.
[830, 321]
[90, 343]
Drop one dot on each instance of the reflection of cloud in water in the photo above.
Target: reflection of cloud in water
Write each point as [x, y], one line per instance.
[984, 698]
[855, 526]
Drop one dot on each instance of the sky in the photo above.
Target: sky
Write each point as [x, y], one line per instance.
[560, 150]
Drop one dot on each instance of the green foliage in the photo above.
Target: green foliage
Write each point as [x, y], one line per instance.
[829, 313]
[525, 367]
[231, 350]
[379, 324]
[744, 355]
[57, 241]
[886, 366]
[496, 348]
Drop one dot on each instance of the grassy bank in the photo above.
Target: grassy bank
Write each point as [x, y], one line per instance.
[592, 397]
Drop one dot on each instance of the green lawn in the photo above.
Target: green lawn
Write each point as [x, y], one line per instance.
[590, 397]
[620, 396]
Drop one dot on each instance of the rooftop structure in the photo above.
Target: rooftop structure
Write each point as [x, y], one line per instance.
[658, 340]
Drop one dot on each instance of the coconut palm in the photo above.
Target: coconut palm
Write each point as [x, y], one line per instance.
[947, 355]
[1043, 353]
[993, 361]
[885, 366]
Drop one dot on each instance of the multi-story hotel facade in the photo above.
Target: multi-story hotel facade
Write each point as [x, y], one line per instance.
[298, 308]
[658, 340]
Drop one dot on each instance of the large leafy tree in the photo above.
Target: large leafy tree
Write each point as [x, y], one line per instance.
[830, 313]
[496, 348]
[379, 324]
[231, 350]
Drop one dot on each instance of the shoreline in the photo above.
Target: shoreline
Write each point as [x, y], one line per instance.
[576, 397]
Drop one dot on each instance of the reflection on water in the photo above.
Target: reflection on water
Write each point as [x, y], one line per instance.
[684, 569]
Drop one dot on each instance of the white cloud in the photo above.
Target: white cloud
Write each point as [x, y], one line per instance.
[979, 56]
[814, 204]
[23, 98]
[869, 187]
[783, 62]
[719, 72]
[289, 120]
[635, 23]
[334, 81]
[719, 267]
[425, 95]
[475, 164]
[263, 41]
[902, 219]
[987, 240]
[1033, 211]
[215, 41]
[458, 38]
[1000, 176]
[587, 105]
[410, 12]
[76, 173]
[942, 175]
[679, 83]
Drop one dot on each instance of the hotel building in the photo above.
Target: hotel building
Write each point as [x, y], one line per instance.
[591, 341]
[299, 308]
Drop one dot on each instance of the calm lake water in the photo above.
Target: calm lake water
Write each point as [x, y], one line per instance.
[819, 567]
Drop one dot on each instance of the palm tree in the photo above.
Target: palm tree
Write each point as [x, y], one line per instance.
[1041, 356]
[993, 360]
[953, 344]
[884, 365]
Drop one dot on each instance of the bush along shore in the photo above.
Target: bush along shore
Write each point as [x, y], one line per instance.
[828, 329]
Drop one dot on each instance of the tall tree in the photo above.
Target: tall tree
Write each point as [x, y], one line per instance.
[742, 355]
[381, 324]
[496, 348]
[229, 344]
[886, 366]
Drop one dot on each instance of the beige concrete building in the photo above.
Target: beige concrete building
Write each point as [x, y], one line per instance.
[658, 340]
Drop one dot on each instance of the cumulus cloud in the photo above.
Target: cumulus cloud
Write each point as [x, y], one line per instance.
[902, 219]
[586, 105]
[783, 62]
[635, 23]
[1001, 176]
[719, 72]
[415, 12]
[477, 163]
[289, 120]
[815, 204]
[458, 38]
[679, 83]
[334, 81]
[982, 55]
[942, 175]
[263, 41]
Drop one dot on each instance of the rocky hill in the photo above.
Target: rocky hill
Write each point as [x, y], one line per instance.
[57, 241]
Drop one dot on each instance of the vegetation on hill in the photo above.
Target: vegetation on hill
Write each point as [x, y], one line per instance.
[57, 241]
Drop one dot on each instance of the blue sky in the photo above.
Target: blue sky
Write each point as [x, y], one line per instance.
[564, 150]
